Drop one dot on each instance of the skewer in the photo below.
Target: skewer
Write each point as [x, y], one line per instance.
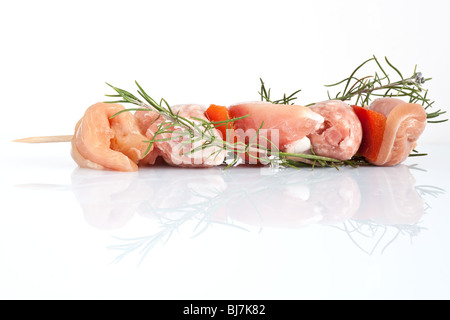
[45, 139]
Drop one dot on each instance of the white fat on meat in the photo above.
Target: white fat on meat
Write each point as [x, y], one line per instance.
[340, 135]
[174, 146]
[302, 145]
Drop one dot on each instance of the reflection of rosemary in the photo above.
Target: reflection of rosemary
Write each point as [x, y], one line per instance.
[375, 233]
[217, 206]
[360, 230]
[201, 212]
[424, 190]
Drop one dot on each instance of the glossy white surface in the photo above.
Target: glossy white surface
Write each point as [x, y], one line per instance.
[244, 233]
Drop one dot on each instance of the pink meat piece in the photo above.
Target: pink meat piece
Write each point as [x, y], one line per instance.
[340, 135]
[174, 149]
[292, 123]
[147, 122]
[404, 124]
[385, 105]
[103, 142]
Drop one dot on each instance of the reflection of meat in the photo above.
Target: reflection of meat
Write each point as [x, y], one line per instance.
[404, 124]
[174, 145]
[185, 191]
[293, 200]
[340, 135]
[389, 197]
[338, 199]
[285, 199]
[278, 208]
[108, 199]
[103, 143]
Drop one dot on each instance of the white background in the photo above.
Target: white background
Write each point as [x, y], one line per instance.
[56, 222]
[56, 56]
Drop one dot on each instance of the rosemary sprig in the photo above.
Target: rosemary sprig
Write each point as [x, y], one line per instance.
[381, 85]
[363, 89]
[265, 95]
[165, 112]
[197, 130]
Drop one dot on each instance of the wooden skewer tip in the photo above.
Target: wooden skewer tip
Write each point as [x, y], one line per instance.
[45, 139]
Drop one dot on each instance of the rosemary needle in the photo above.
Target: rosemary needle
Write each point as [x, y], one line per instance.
[363, 89]
[368, 86]
[196, 129]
